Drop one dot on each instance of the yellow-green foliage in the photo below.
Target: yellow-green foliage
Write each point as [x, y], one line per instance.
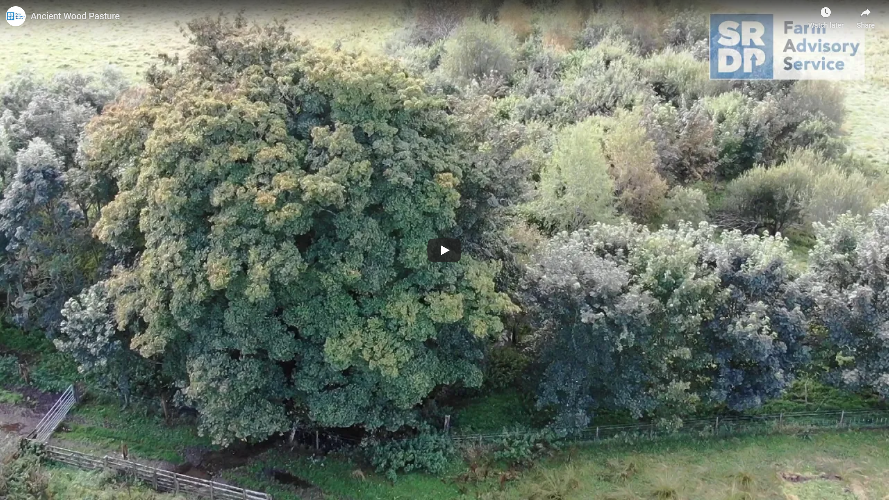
[575, 187]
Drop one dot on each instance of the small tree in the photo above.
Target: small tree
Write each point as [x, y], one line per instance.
[575, 187]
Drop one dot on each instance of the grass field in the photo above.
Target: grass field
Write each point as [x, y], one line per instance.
[848, 465]
[146, 30]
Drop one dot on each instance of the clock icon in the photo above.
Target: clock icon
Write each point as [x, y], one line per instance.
[825, 12]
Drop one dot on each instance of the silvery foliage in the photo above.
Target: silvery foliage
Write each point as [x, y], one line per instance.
[88, 331]
[656, 323]
[848, 280]
[36, 224]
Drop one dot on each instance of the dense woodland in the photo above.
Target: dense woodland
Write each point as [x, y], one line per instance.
[243, 232]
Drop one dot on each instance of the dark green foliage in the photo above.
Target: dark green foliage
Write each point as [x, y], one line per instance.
[519, 446]
[9, 369]
[505, 365]
[23, 477]
[428, 451]
[49, 253]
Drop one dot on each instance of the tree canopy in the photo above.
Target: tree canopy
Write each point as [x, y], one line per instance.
[274, 203]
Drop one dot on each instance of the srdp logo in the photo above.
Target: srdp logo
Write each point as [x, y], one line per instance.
[741, 46]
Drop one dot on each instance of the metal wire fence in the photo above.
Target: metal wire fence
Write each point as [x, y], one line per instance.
[797, 422]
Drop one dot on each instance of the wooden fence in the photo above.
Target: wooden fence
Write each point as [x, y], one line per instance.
[56, 414]
[160, 480]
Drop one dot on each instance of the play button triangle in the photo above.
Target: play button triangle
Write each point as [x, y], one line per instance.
[444, 250]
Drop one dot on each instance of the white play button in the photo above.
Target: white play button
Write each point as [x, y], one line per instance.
[443, 250]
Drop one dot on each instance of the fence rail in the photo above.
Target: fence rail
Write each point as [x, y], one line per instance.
[160, 480]
[56, 415]
[717, 426]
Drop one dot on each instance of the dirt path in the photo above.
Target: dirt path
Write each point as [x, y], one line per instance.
[21, 419]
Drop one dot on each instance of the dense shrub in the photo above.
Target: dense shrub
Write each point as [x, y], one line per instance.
[684, 204]
[847, 281]
[806, 188]
[9, 368]
[505, 365]
[679, 78]
[429, 451]
[766, 199]
[684, 141]
[599, 81]
[520, 446]
[639, 188]
[477, 50]
[575, 186]
[23, 478]
[687, 28]
[654, 323]
[741, 132]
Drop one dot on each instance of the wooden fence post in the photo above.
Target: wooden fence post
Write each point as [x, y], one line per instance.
[154, 471]
[175, 482]
[842, 416]
[244, 491]
[716, 429]
[211, 491]
[105, 462]
[597, 433]
[317, 441]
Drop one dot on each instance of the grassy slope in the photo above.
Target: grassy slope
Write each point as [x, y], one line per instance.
[867, 101]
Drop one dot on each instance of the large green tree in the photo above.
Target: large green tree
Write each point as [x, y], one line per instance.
[274, 205]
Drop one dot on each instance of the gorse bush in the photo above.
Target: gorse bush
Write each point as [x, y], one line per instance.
[477, 50]
[429, 451]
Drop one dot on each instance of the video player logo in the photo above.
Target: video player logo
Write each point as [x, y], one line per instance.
[16, 16]
[443, 250]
